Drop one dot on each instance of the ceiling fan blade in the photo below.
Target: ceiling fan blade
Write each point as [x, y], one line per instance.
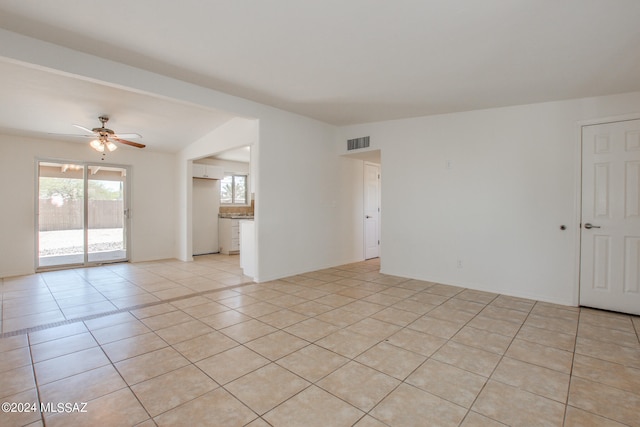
[131, 143]
[72, 135]
[84, 128]
[128, 135]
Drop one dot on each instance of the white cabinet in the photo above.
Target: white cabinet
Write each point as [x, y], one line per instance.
[201, 170]
[229, 235]
[248, 245]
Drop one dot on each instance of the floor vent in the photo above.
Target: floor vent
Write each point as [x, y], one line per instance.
[357, 143]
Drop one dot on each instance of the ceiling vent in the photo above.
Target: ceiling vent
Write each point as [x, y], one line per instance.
[357, 143]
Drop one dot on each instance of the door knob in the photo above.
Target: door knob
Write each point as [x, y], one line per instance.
[368, 216]
[589, 226]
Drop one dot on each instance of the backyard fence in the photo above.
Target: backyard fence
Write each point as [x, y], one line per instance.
[69, 216]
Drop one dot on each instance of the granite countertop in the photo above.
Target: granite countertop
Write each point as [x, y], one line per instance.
[235, 216]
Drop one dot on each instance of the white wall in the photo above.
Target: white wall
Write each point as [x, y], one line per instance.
[152, 194]
[513, 181]
[306, 199]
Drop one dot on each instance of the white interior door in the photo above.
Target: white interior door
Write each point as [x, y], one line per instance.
[610, 240]
[371, 210]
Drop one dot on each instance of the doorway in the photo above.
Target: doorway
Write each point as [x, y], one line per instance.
[610, 223]
[371, 210]
[82, 214]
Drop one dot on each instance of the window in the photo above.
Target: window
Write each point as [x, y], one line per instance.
[233, 190]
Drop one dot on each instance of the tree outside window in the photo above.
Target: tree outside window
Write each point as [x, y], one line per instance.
[233, 190]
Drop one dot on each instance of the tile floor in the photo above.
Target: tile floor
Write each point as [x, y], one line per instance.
[190, 344]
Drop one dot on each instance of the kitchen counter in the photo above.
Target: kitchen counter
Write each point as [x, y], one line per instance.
[235, 216]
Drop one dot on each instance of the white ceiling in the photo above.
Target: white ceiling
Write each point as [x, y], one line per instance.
[340, 61]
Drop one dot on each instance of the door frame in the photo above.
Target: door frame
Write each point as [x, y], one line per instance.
[379, 213]
[36, 222]
[578, 190]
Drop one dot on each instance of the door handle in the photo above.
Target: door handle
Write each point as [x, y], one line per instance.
[589, 226]
[368, 216]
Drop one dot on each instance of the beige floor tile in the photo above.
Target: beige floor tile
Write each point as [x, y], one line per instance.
[410, 406]
[18, 419]
[553, 310]
[283, 318]
[464, 305]
[497, 326]
[541, 355]
[458, 317]
[444, 290]
[174, 388]
[382, 299]
[556, 324]
[312, 329]
[313, 407]
[368, 421]
[468, 358]
[117, 408]
[575, 417]
[276, 345]
[437, 327]
[258, 422]
[448, 382]
[266, 387]
[203, 310]
[427, 298]
[482, 339]
[473, 419]
[225, 319]
[185, 303]
[347, 343]
[359, 385]
[134, 346]
[217, 407]
[205, 346]
[536, 379]
[32, 320]
[477, 296]
[55, 333]
[547, 338]
[396, 316]
[499, 313]
[607, 319]
[83, 387]
[287, 300]
[150, 365]
[184, 331]
[341, 317]
[364, 308]
[120, 331]
[416, 342]
[335, 300]
[12, 343]
[412, 306]
[513, 303]
[312, 362]
[248, 331]
[106, 321]
[258, 309]
[608, 351]
[516, 407]
[16, 381]
[608, 373]
[166, 320]
[311, 308]
[16, 358]
[154, 310]
[71, 364]
[614, 336]
[391, 360]
[231, 364]
[374, 328]
[609, 402]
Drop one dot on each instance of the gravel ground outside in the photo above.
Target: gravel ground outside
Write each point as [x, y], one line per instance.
[66, 242]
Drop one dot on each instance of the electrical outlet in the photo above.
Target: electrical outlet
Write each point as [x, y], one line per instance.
[459, 264]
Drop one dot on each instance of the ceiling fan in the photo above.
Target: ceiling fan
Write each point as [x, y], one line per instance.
[103, 138]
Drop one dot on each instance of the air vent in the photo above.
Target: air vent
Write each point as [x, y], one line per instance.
[357, 143]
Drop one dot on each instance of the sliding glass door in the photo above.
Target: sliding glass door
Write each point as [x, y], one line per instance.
[82, 214]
